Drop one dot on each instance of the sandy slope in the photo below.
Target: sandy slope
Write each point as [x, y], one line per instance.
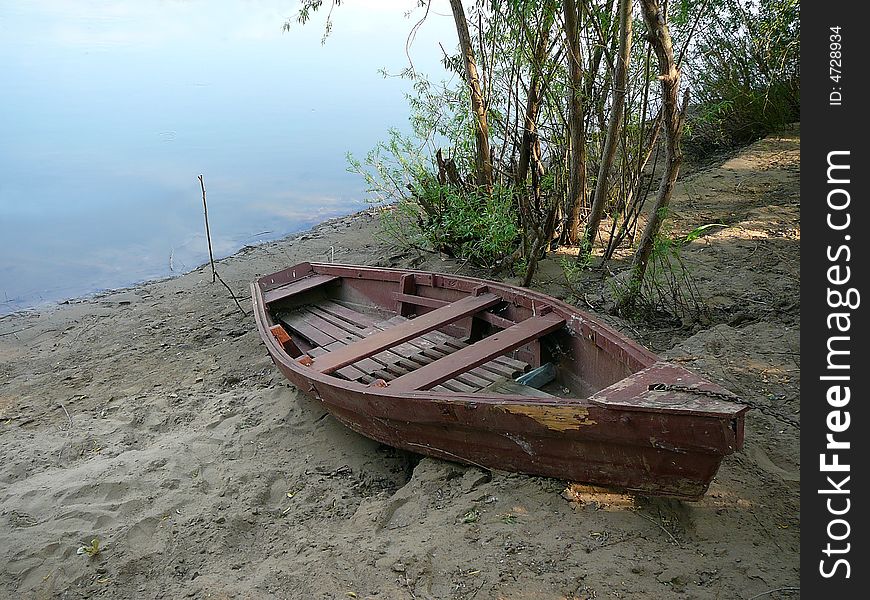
[152, 420]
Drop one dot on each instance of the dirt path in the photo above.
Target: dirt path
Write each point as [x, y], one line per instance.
[152, 419]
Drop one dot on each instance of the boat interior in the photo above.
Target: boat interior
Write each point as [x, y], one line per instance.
[420, 331]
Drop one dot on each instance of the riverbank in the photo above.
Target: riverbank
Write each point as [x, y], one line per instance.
[152, 420]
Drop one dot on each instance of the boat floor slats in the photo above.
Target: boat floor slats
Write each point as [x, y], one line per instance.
[478, 377]
[297, 287]
[494, 369]
[386, 365]
[503, 366]
[351, 327]
[478, 353]
[410, 355]
[517, 366]
[420, 349]
[297, 323]
[384, 339]
[331, 327]
[348, 314]
[440, 344]
[404, 357]
[511, 367]
[377, 369]
[349, 372]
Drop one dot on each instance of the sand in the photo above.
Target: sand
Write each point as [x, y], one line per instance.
[152, 420]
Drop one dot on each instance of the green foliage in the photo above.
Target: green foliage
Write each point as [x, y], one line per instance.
[393, 170]
[667, 292]
[306, 9]
[739, 58]
[472, 224]
[91, 550]
[470, 516]
[461, 221]
[696, 233]
[573, 270]
[744, 71]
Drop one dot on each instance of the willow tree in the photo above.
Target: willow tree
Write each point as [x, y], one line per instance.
[483, 158]
[576, 122]
[672, 118]
[620, 82]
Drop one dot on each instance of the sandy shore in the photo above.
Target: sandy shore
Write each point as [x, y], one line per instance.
[152, 420]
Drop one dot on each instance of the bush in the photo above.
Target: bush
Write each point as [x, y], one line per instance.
[423, 213]
[470, 224]
[744, 73]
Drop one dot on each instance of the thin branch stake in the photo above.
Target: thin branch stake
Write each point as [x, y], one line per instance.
[207, 232]
[214, 273]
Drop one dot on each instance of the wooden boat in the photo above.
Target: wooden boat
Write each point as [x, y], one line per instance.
[450, 367]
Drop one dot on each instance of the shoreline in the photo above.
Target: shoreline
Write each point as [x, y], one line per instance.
[97, 294]
[153, 420]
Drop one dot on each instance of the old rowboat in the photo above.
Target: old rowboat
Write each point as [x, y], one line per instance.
[450, 366]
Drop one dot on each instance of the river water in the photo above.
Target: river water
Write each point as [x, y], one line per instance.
[111, 110]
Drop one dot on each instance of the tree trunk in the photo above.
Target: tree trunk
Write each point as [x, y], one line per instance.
[533, 102]
[601, 184]
[577, 161]
[483, 160]
[672, 119]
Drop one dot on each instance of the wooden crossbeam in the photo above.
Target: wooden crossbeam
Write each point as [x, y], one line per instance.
[297, 287]
[329, 332]
[478, 353]
[420, 349]
[433, 344]
[411, 300]
[382, 340]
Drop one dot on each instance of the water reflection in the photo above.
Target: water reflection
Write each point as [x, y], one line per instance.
[113, 108]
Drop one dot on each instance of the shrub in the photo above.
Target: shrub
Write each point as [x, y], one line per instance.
[744, 73]
[424, 213]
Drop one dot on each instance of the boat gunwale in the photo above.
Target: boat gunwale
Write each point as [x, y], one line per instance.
[571, 314]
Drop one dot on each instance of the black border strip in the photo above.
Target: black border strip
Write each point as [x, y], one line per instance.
[833, 274]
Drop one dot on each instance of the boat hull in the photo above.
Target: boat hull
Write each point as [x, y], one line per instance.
[624, 435]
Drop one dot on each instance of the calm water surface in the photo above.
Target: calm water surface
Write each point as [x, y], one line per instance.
[111, 110]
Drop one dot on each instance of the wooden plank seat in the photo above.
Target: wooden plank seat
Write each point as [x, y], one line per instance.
[329, 326]
[387, 338]
[503, 366]
[434, 344]
[325, 336]
[387, 365]
[413, 300]
[297, 287]
[496, 370]
[478, 353]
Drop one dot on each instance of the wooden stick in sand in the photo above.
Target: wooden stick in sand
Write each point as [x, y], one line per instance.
[214, 273]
